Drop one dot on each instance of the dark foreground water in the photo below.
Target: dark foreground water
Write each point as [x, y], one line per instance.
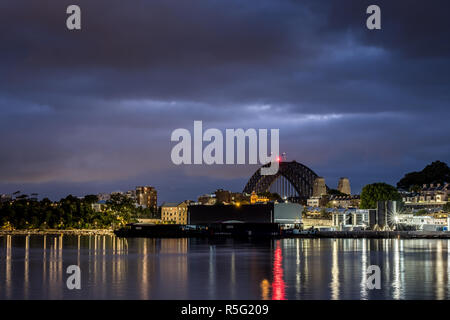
[34, 267]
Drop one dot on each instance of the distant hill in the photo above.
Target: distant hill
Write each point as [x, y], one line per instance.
[436, 172]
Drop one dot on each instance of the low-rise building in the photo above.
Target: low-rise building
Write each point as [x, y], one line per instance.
[317, 201]
[207, 199]
[254, 198]
[174, 212]
[426, 223]
[347, 201]
[351, 218]
[286, 214]
[430, 195]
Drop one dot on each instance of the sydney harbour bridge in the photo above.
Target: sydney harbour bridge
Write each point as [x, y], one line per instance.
[293, 180]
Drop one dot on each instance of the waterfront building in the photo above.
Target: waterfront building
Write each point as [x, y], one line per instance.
[351, 219]
[173, 212]
[313, 202]
[254, 198]
[431, 195]
[286, 214]
[147, 197]
[347, 201]
[317, 201]
[424, 223]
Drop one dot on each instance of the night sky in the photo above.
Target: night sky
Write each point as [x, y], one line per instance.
[92, 111]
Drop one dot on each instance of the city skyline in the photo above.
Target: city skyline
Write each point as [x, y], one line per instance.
[92, 111]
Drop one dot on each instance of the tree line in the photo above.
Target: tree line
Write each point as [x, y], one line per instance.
[69, 213]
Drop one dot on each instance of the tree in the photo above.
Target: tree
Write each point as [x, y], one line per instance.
[325, 214]
[304, 212]
[122, 205]
[68, 213]
[436, 172]
[90, 198]
[380, 191]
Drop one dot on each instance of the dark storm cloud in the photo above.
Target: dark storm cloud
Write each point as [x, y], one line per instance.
[94, 109]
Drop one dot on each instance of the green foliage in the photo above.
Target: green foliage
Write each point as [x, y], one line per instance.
[372, 193]
[68, 213]
[421, 212]
[304, 212]
[436, 172]
[447, 207]
[325, 214]
[147, 213]
[90, 198]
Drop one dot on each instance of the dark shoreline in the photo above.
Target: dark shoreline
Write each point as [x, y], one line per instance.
[57, 232]
[316, 235]
[377, 235]
[155, 232]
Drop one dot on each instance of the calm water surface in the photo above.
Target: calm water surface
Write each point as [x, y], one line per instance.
[34, 267]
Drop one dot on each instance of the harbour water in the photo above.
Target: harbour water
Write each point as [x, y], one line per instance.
[34, 267]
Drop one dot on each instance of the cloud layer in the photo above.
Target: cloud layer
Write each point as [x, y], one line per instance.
[93, 110]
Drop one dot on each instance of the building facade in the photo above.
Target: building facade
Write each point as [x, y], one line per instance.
[172, 212]
[430, 195]
[254, 198]
[317, 201]
[351, 219]
[147, 197]
[347, 201]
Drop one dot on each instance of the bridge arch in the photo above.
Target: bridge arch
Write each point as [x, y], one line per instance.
[299, 176]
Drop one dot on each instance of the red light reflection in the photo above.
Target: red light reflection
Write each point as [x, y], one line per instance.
[278, 285]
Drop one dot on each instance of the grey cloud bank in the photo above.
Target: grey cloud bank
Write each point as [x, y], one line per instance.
[93, 110]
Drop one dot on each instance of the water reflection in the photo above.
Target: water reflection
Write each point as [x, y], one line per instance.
[26, 267]
[212, 272]
[335, 271]
[34, 267]
[278, 285]
[364, 266]
[398, 281]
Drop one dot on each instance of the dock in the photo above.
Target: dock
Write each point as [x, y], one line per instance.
[263, 230]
